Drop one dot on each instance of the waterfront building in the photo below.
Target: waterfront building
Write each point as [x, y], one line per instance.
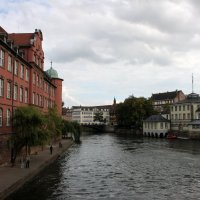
[67, 114]
[85, 114]
[156, 126]
[23, 80]
[160, 100]
[185, 115]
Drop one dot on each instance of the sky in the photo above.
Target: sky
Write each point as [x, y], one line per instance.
[113, 48]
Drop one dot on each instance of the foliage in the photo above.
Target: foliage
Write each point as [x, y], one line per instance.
[133, 111]
[72, 127]
[28, 125]
[98, 116]
[53, 124]
[34, 128]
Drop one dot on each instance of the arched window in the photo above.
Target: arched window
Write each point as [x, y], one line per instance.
[1, 117]
[8, 117]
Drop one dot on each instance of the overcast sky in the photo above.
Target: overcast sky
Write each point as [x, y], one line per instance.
[113, 48]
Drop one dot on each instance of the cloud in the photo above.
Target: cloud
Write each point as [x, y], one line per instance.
[113, 48]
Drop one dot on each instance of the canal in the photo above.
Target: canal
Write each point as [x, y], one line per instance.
[109, 166]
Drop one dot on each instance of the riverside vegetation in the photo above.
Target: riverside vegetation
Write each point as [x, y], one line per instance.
[33, 128]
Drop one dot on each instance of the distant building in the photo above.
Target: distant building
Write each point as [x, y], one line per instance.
[160, 100]
[85, 114]
[113, 118]
[185, 115]
[156, 126]
[67, 114]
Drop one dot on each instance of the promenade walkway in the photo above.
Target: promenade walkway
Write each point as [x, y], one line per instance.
[12, 178]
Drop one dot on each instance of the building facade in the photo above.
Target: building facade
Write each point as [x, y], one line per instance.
[156, 126]
[185, 115]
[85, 114]
[23, 80]
[160, 100]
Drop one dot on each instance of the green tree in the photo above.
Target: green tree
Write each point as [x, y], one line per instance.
[98, 116]
[72, 127]
[28, 125]
[53, 124]
[133, 111]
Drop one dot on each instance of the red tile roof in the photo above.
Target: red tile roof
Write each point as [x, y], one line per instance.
[21, 38]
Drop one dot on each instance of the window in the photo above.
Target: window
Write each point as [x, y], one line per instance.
[33, 98]
[1, 117]
[37, 99]
[40, 100]
[15, 92]
[34, 77]
[27, 75]
[9, 63]
[183, 115]
[161, 125]
[8, 90]
[188, 116]
[184, 108]
[1, 87]
[8, 117]
[16, 68]
[21, 94]
[175, 108]
[179, 108]
[188, 107]
[37, 81]
[22, 72]
[2, 58]
[26, 95]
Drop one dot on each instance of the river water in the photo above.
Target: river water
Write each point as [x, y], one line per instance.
[124, 167]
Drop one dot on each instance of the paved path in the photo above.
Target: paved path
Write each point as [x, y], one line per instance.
[12, 178]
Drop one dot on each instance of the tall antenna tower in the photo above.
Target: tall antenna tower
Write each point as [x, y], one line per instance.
[192, 84]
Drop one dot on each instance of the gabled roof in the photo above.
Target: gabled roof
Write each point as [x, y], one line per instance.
[2, 30]
[156, 118]
[191, 98]
[165, 95]
[21, 39]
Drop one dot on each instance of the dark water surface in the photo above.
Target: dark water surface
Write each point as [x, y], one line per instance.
[115, 167]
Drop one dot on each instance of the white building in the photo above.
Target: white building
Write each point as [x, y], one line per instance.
[85, 114]
[156, 126]
[185, 115]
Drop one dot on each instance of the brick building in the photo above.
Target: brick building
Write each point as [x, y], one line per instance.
[23, 80]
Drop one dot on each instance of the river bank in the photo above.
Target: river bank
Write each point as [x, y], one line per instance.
[12, 178]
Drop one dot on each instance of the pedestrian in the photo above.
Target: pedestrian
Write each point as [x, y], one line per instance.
[51, 149]
[27, 161]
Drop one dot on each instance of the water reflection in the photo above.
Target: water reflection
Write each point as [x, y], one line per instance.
[121, 167]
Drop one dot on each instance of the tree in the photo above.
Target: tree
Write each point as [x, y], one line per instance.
[133, 111]
[72, 127]
[28, 125]
[53, 124]
[98, 116]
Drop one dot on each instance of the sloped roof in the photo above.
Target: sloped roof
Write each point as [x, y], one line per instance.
[191, 98]
[2, 30]
[21, 39]
[165, 95]
[156, 118]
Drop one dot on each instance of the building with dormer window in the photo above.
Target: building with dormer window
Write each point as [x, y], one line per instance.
[23, 80]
